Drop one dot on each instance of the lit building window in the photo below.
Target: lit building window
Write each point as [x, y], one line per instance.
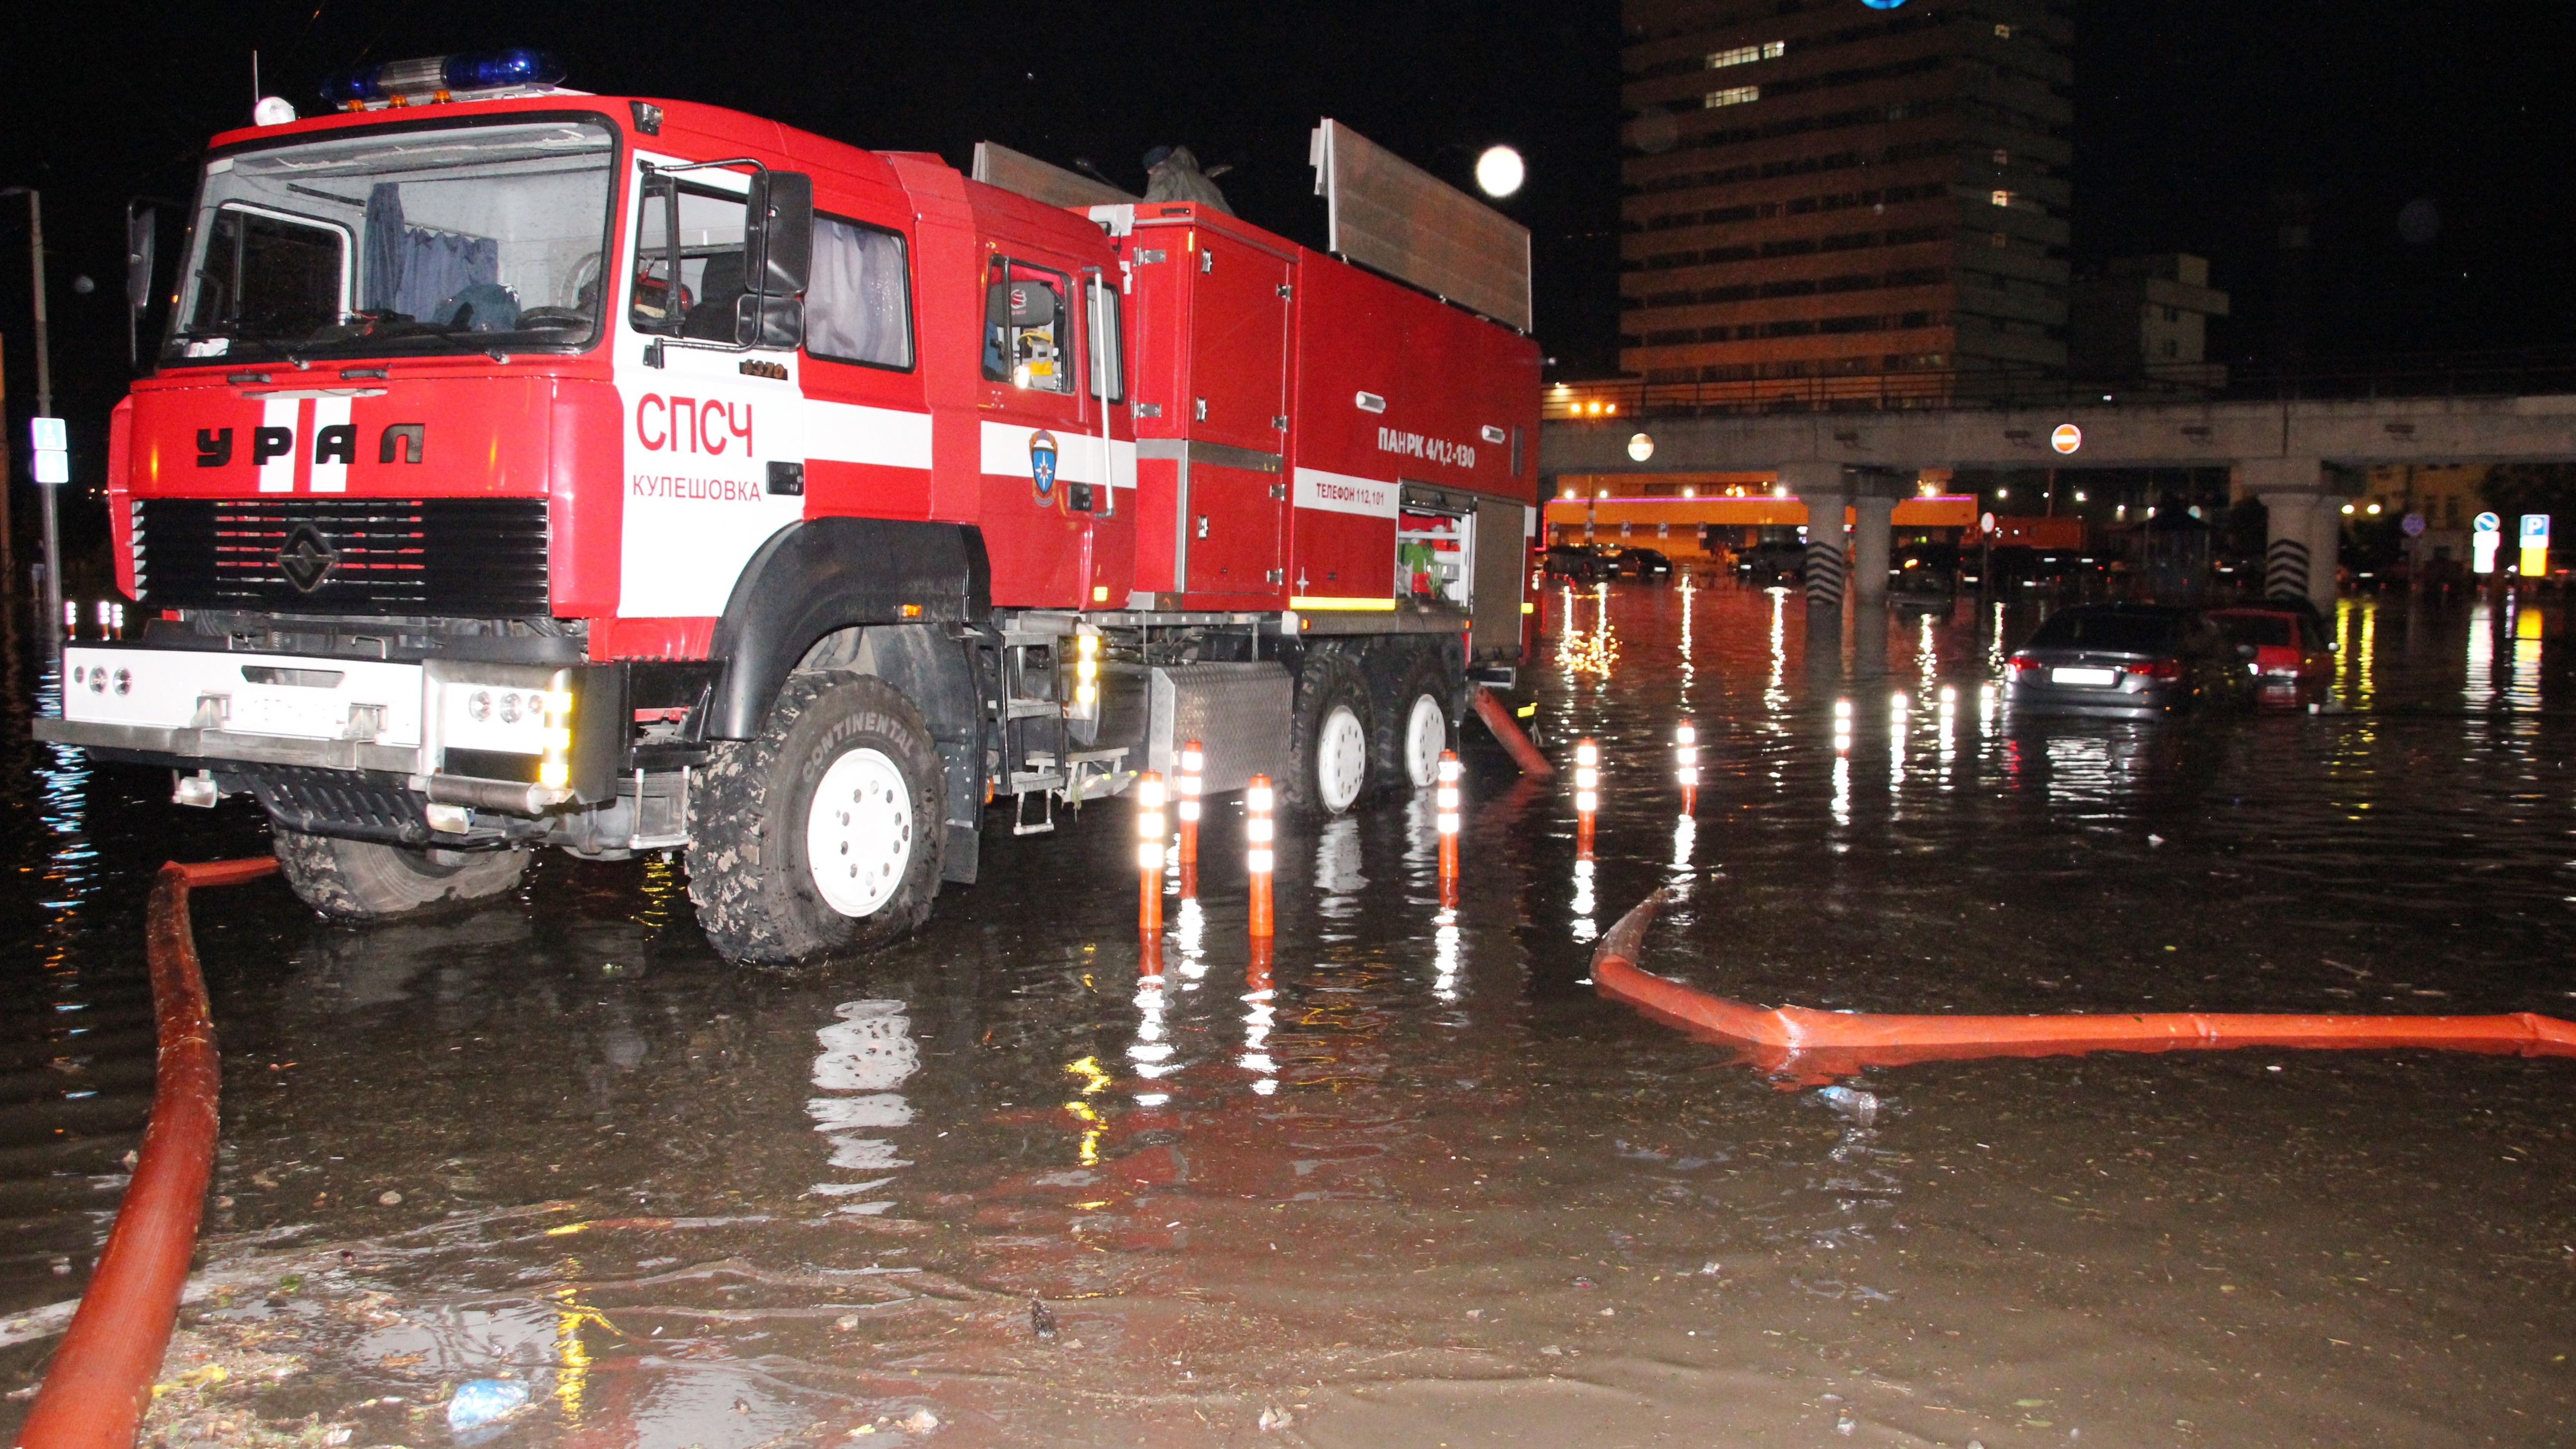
[1747, 54]
[1731, 96]
[2003, 198]
[2003, 32]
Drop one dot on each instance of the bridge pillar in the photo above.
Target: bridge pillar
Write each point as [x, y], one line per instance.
[1826, 492]
[2305, 529]
[1870, 539]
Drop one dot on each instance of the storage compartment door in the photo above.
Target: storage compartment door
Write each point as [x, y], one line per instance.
[1238, 399]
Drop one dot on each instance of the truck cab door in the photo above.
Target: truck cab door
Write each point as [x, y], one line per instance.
[1044, 468]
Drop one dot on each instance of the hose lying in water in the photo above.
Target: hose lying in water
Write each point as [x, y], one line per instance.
[1802, 1046]
[1504, 728]
[101, 1379]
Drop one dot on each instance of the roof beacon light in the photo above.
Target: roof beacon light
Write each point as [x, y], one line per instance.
[439, 77]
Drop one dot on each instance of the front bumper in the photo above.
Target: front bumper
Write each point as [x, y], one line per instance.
[437, 723]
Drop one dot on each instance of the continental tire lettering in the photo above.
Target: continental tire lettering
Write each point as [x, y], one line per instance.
[717, 490]
[828, 748]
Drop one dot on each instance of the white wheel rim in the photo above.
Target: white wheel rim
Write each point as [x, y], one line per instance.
[1341, 758]
[858, 833]
[1426, 734]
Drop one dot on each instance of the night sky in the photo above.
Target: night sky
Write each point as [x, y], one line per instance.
[2192, 119]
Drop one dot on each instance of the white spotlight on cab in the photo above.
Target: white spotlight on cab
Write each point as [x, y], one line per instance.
[1500, 171]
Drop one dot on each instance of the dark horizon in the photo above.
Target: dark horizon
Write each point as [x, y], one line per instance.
[2194, 122]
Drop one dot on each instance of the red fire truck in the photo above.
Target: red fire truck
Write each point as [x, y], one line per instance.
[531, 468]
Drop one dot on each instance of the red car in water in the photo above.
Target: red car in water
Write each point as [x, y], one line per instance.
[2285, 647]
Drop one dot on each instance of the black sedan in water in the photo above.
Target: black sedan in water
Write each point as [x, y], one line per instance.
[2125, 660]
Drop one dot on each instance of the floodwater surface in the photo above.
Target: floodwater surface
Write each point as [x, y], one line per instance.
[1409, 1180]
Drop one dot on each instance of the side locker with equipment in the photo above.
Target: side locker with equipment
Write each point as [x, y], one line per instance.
[1212, 418]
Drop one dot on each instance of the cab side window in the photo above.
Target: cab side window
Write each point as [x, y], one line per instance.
[858, 305]
[696, 233]
[1026, 340]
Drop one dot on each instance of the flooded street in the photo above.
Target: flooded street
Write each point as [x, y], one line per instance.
[1410, 1182]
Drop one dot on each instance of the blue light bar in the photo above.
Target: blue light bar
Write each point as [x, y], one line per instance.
[465, 71]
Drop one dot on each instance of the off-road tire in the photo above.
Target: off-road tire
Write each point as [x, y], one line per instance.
[1420, 676]
[362, 880]
[1329, 678]
[757, 900]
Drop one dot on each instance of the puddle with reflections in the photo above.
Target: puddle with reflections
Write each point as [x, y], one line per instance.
[1405, 1178]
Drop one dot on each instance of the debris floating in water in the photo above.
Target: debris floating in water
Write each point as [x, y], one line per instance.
[480, 1401]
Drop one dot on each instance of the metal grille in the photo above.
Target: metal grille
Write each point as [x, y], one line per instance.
[481, 557]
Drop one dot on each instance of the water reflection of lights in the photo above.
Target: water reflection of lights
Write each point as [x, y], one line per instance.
[1897, 716]
[1927, 649]
[1594, 653]
[1189, 937]
[1257, 1019]
[1775, 695]
[1986, 693]
[1093, 1125]
[1444, 956]
[866, 1054]
[572, 1356]
[2478, 688]
[1842, 788]
[1150, 1052]
[1685, 836]
[2523, 690]
[1584, 929]
[1338, 879]
[1949, 731]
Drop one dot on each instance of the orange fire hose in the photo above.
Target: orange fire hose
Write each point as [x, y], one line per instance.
[1806, 1046]
[101, 1379]
[1500, 723]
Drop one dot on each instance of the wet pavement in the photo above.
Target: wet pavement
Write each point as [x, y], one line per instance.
[1411, 1182]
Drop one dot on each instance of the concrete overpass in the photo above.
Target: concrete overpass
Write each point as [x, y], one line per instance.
[2289, 453]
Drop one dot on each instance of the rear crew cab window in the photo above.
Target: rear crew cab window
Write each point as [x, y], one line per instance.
[1026, 342]
[858, 303]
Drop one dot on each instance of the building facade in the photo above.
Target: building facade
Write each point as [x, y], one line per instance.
[2145, 320]
[1850, 205]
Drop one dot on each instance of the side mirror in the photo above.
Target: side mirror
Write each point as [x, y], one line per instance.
[777, 259]
[142, 232]
[2246, 651]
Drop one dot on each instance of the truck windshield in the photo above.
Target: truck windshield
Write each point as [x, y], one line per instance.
[479, 238]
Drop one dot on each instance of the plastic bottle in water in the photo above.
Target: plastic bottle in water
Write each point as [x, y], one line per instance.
[1861, 1108]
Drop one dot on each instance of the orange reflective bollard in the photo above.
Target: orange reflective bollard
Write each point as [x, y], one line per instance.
[1258, 857]
[1150, 833]
[1445, 805]
[1686, 764]
[1587, 794]
[1186, 787]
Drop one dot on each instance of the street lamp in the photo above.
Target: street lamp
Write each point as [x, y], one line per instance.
[44, 402]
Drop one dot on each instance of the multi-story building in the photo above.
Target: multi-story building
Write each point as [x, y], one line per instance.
[2145, 321]
[1831, 200]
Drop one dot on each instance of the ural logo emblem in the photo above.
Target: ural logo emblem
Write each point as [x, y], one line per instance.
[307, 558]
[1042, 464]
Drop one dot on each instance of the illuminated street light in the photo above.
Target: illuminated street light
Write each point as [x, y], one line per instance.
[1499, 172]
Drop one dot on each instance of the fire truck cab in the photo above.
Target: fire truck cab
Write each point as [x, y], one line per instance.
[527, 468]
